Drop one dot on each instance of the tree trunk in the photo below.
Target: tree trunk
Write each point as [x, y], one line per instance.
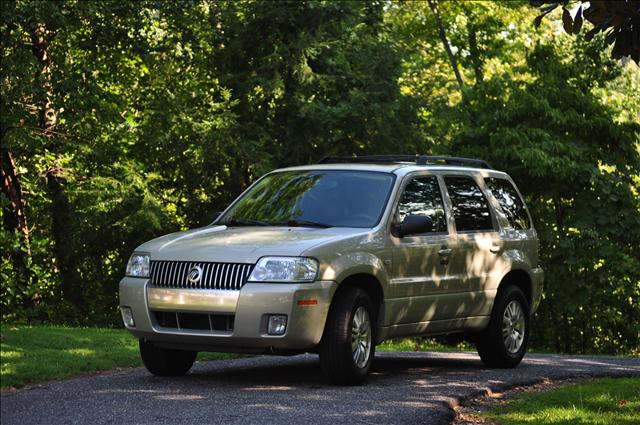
[61, 213]
[15, 219]
[14, 216]
[475, 54]
[447, 46]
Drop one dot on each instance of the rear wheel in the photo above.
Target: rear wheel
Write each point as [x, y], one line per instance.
[504, 343]
[164, 361]
[347, 348]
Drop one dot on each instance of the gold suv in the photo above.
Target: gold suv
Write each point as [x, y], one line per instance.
[337, 257]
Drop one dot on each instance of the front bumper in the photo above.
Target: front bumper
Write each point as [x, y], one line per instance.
[249, 308]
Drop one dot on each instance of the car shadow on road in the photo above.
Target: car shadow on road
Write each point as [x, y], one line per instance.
[305, 370]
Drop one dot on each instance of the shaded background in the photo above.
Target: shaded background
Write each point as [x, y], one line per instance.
[125, 121]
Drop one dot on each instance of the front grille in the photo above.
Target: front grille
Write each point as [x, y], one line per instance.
[195, 321]
[174, 274]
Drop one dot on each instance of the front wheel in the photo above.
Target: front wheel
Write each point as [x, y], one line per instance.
[347, 348]
[164, 361]
[504, 343]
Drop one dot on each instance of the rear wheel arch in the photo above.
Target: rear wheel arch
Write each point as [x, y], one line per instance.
[520, 279]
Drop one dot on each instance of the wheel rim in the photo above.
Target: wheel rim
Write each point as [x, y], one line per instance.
[361, 337]
[513, 327]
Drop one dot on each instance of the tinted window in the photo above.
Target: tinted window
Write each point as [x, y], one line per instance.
[510, 202]
[329, 197]
[470, 207]
[422, 197]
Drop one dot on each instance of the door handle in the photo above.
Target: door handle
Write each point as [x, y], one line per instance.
[444, 253]
[495, 248]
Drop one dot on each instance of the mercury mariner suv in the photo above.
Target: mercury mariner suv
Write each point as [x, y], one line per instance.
[337, 257]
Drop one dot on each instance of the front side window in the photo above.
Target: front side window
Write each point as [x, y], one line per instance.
[470, 207]
[318, 198]
[422, 196]
[511, 204]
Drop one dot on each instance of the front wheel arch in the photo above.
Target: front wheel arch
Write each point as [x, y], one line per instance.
[372, 286]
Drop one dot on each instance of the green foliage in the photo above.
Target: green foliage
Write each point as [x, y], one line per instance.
[603, 401]
[165, 113]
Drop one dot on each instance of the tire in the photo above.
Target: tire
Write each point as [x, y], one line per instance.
[166, 362]
[511, 312]
[346, 357]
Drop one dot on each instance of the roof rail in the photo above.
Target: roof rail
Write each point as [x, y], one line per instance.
[417, 159]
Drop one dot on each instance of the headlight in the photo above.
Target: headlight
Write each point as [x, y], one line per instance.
[285, 269]
[138, 265]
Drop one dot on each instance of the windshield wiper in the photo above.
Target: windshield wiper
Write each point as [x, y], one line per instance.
[244, 222]
[302, 223]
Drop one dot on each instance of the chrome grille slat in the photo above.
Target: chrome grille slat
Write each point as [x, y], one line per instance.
[178, 267]
[217, 276]
[172, 274]
[165, 272]
[222, 276]
[209, 275]
[166, 276]
[163, 269]
[236, 274]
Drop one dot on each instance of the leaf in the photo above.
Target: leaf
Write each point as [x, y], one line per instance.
[567, 21]
[549, 8]
[577, 21]
[591, 33]
[611, 36]
[545, 11]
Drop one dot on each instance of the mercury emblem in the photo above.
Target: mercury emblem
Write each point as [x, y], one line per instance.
[194, 275]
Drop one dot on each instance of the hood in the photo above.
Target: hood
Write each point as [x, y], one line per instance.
[240, 244]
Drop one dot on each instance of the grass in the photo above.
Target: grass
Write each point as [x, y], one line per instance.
[32, 354]
[421, 344]
[598, 402]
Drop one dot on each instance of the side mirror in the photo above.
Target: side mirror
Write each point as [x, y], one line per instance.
[414, 224]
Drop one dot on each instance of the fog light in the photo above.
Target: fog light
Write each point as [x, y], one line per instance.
[277, 324]
[127, 317]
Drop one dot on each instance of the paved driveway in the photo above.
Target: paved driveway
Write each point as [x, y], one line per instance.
[404, 388]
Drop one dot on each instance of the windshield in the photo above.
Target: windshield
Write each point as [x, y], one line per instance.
[323, 198]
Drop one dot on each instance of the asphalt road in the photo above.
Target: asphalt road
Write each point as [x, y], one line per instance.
[404, 388]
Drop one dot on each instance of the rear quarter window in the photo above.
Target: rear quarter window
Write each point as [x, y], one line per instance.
[510, 201]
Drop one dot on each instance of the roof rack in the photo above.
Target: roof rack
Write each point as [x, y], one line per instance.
[417, 159]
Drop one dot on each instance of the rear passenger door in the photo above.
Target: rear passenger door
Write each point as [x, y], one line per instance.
[475, 248]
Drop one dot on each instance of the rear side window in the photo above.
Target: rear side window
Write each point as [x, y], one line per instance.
[470, 207]
[422, 196]
[511, 204]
